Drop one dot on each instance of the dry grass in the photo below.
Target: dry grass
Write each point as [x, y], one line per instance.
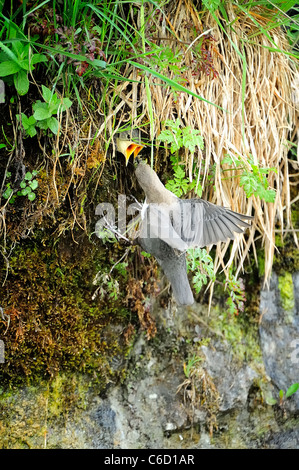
[256, 120]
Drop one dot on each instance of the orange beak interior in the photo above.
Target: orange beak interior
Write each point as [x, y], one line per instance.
[133, 148]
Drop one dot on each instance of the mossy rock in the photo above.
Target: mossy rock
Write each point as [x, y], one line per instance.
[55, 324]
[286, 288]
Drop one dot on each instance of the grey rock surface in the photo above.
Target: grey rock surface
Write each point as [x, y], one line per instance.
[279, 336]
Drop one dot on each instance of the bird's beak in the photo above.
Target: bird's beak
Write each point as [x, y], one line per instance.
[127, 147]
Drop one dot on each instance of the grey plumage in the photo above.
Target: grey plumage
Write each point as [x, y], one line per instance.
[174, 266]
[171, 225]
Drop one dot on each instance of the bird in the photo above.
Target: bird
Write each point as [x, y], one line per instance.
[170, 225]
[126, 146]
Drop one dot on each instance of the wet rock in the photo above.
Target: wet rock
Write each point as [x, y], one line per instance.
[283, 440]
[279, 334]
[232, 379]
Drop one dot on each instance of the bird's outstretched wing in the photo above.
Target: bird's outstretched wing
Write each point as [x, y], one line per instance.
[201, 223]
[191, 222]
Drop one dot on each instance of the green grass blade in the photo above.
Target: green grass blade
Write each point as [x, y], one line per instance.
[171, 83]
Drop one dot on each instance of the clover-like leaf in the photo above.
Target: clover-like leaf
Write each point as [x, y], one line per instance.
[33, 184]
[31, 196]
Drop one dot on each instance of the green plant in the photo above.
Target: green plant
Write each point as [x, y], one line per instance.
[211, 5]
[163, 58]
[28, 185]
[17, 59]
[108, 286]
[44, 112]
[191, 364]
[292, 26]
[254, 181]
[237, 298]
[28, 124]
[122, 269]
[179, 185]
[290, 391]
[179, 137]
[8, 192]
[200, 263]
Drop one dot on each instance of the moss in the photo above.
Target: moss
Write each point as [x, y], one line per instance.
[278, 241]
[287, 259]
[55, 325]
[37, 416]
[239, 331]
[261, 262]
[286, 287]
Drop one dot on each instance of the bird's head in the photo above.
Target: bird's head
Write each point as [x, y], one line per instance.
[125, 144]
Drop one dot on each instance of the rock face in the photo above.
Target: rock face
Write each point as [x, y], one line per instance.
[187, 388]
[279, 333]
[233, 380]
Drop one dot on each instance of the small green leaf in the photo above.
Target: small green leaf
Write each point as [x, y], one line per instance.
[292, 389]
[53, 125]
[271, 401]
[228, 160]
[21, 49]
[28, 176]
[31, 196]
[9, 67]
[281, 394]
[211, 5]
[249, 183]
[41, 111]
[47, 94]
[7, 192]
[192, 139]
[31, 131]
[66, 103]
[21, 82]
[53, 107]
[43, 124]
[36, 58]
[33, 184]
[31, 120]
[3, 146]
[26, 191]
[24, 64]
[268, 195]
[174, 187]
[23, 184]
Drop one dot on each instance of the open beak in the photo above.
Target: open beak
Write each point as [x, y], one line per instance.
[127, 147]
